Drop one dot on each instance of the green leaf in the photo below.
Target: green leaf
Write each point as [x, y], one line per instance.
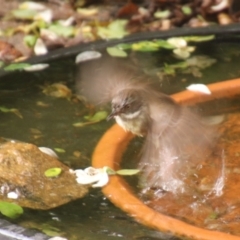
[116, 52]
[50, 230]
[60, 30]
[127, 171]
[10, 210]
[199, 38]
[12, 110]
[97, 117]
[24, 14]
[116, 29]
[30, 40]
[16, 66]
[59, 150]
[186, 10]
[145, 46]
[162, 14]
[164, 44]
[110, 171]
[124, 46]
[52, 172]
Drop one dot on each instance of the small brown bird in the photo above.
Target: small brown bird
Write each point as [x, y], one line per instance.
[177, 139]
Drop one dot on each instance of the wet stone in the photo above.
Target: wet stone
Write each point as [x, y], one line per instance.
[23, 182]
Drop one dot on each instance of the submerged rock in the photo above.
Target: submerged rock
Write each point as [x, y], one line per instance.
[22, 178]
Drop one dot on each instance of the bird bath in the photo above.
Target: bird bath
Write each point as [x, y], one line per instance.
[47, 121]
[109, 152]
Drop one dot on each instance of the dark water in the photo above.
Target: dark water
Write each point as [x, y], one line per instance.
[92, 217]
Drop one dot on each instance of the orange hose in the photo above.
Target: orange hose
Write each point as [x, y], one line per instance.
[109, 152]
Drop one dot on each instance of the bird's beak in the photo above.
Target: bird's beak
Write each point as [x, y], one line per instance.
[112, 115]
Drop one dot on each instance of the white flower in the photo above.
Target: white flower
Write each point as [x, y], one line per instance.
[98, 176]
[182, 50]
[199, 88]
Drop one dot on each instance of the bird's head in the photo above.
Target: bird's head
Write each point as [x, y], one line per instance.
[127, 104]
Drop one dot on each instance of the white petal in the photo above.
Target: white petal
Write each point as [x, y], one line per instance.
[90, 175]
[48, 151]
[45, 16]
[36, 67]
[199, 88]
[67, 22]
[40, 48]
[103, 181]
[32, 6]
[87, 55]
[177, 42]
[12, 195]
[181, 53]
[46, 33]
[220, 6]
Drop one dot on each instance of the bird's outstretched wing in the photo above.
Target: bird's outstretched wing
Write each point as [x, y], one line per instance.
[100, 80]
[177, 142]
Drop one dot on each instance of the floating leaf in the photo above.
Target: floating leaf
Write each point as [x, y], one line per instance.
[124, 46]
[12, 110]
[52, 172]
[57, 90]
[199, 38]
[82, 124]
[164, 44]
[116, 52]
[60, 150]
[97, 117]
[127, 171]
[145, 46]
[116, 29]
[16, 66]
[36, 67]
[110, 171]
[10, 210]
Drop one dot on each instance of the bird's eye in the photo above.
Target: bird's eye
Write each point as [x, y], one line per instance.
[127, 106]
